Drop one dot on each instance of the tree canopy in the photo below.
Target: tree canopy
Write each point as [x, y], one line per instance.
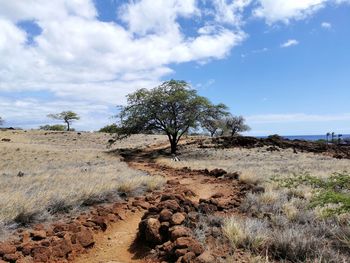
[56, 127]
[67, 116]
[172, 108]
[236, 124]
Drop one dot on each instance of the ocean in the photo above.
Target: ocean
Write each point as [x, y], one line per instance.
[310, 137]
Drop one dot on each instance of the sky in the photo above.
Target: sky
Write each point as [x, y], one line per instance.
[282, 64]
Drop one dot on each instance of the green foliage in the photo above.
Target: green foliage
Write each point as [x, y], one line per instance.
[67, 116]
[331, 193]
[236, 125]
[214, 122]
[56, 127]
[113, 128]
[172, 108]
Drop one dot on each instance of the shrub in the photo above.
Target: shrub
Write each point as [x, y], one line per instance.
[246, 233]
[331, 193]
[56, 127]
[294, 243]
[109, 128]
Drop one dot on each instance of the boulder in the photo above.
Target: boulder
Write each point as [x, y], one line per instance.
[205, 257]
[85, 238]
[190, 243]
[180, 231]
[150, 229]
[170, 204]
[11, 257]
[217, 172]
[233, 176]
[41, 254]
[140, 203]
[6, 248]
[165, 215]
[177, 219]
[61, 248]
[99, 221]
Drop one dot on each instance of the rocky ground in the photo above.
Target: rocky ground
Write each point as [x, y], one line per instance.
[275, 142]
[180, 223]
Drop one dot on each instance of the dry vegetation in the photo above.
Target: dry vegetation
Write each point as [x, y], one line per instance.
[44, 173]
[258, 164]
[303, 214]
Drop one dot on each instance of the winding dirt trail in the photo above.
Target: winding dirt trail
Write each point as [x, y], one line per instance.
[116, 245]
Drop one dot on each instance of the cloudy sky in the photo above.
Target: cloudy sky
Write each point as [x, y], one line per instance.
[283, 64]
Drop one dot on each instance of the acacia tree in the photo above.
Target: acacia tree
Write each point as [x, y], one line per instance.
[236, 124]
[66, 116]
[172, 108]
[213, 119]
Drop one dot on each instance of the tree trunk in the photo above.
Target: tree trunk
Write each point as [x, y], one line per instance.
[68, 126]
[173, 144]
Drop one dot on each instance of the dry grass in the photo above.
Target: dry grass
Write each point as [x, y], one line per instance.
[63, 171]
[287, 243]
[246, 233]
[257, 165]
[280, 221]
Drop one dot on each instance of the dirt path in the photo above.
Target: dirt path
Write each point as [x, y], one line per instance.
[116, 244]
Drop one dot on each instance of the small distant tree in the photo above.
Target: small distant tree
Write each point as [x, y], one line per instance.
[212, 126]
[213, 120]
[1, 121]
[56, 127]
[67, 116]
[172, 108]
[236, 125]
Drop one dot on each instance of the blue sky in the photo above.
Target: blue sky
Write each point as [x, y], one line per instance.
[283, 64]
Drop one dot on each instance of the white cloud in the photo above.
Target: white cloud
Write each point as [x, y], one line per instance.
[287, 10]
[326, 25]
[77, 56]
[230, 11]
[149, 16]
[290, 43]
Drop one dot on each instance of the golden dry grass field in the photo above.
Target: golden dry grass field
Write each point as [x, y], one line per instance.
[258, 164]
[42, 173]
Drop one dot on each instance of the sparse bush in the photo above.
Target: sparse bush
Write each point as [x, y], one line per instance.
[331, 193]
[56, 127]
[287, 242]
[250, 177]
[113, 128]
[246, 233]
